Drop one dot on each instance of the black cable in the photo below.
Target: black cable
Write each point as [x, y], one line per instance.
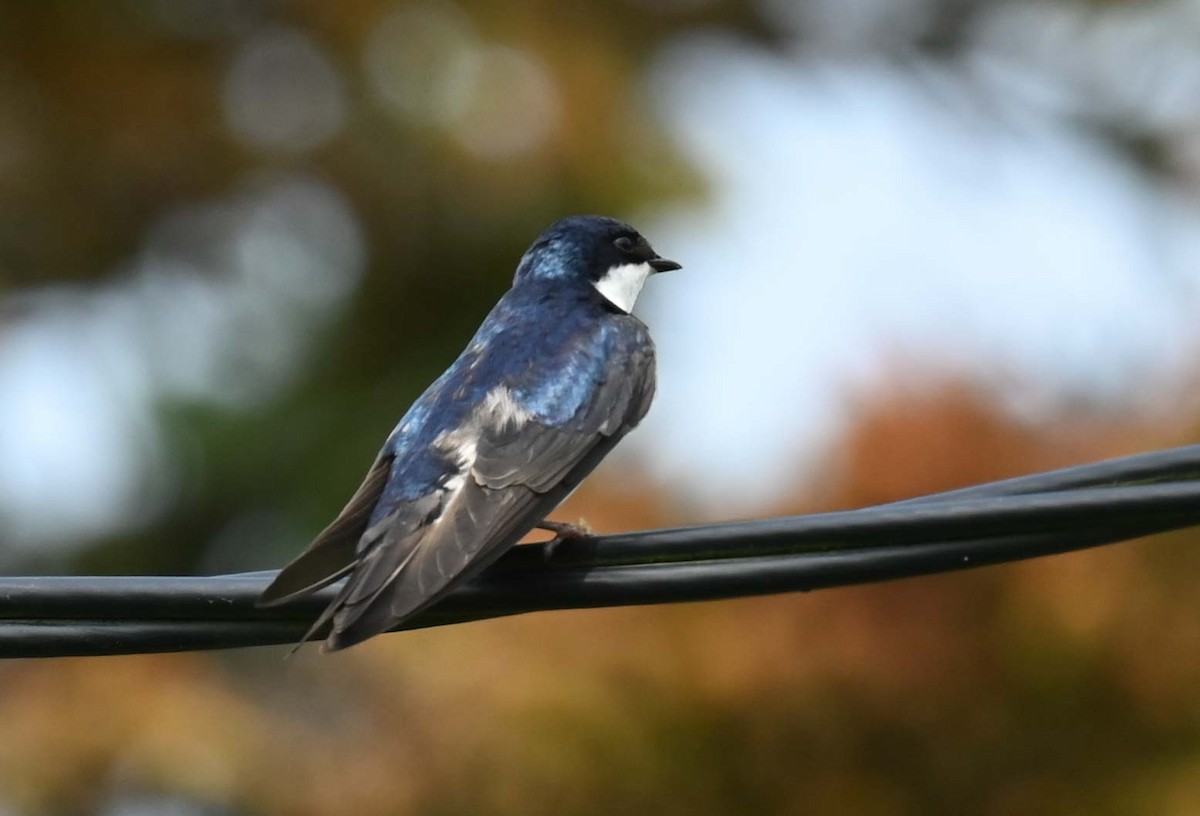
[1001, 521]
[1173, 465]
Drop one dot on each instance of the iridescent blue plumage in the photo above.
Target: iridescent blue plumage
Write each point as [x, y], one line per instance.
[555, 376]
[551, 348]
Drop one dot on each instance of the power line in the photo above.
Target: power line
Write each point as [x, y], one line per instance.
[1046, 513]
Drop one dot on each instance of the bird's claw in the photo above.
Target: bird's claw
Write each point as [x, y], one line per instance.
[563, 531]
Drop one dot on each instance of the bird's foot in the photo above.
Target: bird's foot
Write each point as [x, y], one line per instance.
[563, 531]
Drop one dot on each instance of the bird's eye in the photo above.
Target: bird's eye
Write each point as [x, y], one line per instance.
[624, 243]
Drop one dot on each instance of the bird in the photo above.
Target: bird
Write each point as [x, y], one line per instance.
[557, 374]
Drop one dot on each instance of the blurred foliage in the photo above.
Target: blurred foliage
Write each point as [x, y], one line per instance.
[1063, 686]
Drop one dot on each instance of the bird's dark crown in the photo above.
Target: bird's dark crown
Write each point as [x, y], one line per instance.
[582, 248]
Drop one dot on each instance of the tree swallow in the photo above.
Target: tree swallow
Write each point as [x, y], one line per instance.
[556, 375]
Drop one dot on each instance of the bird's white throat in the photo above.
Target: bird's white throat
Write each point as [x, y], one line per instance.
[622, 284]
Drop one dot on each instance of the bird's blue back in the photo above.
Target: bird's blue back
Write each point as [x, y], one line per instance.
[550, 345]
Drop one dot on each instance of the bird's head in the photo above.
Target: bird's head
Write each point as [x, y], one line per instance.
[592, 250]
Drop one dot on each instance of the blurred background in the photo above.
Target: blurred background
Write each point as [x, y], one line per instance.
[926, 243]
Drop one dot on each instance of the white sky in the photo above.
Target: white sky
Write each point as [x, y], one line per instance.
[858, 213]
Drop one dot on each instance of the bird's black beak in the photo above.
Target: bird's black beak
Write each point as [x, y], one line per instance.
[663, 265]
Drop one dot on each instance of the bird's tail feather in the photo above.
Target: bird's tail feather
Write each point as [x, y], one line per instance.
[446, 554]
[333, 553]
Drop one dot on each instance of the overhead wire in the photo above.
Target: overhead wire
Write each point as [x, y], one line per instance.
[1025, 517]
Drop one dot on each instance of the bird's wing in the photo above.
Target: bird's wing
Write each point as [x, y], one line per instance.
[332, 553]
[521, 466]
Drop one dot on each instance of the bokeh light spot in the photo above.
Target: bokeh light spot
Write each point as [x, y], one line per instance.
[283, 93]
[429, 68]
[419, 60]
[513, 107]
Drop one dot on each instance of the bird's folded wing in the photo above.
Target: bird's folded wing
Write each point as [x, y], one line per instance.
[522, 469]
[332, 553]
